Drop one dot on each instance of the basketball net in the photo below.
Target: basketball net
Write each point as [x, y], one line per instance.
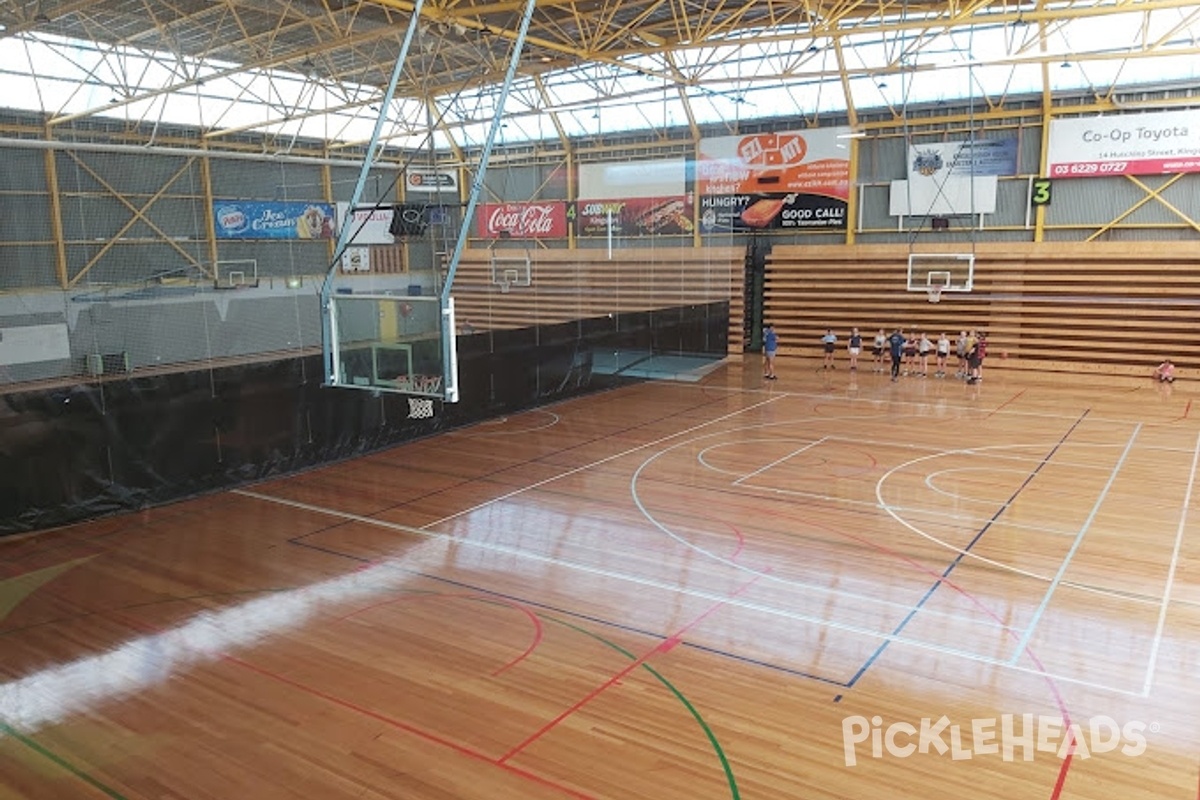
[419, 408]
[935, 294]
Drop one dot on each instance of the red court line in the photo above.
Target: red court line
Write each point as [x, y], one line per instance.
[538, 630]
[1058, 699]
[665, 646]
[1006, 402]
[741, 542]
[395, 723]
[409, 728]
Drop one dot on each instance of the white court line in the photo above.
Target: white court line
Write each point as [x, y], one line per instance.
[605, 460]
[911, 510]
[953, 407]
[824, 590]
[891, 511]
[472, 433]
[1162, 614]
[697, 593]
[778, 461]
[1066, 562]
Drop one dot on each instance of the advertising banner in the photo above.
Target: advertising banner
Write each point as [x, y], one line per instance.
[245, 219]
[965, 159]
[635, 216]
[793, 179]
[1131, 144]
[541, 220]
[367, 225]
[431, 180]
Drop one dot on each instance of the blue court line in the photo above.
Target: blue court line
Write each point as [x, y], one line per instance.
[599, 620]
[962, 555]
[1066, 562]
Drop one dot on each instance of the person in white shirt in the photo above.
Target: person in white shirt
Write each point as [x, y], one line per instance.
[943, 355]
[924, 347]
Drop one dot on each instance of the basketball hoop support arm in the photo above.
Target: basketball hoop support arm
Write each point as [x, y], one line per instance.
[493, 131]
[330, 376]
[448, 331]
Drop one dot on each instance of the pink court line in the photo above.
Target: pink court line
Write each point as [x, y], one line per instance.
[1006, 402]
[1056, 793]
[663, 647]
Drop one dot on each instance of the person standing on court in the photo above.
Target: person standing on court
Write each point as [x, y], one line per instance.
[855, 348]
[877, 349]
[770, 345]
[829, 340]
[943, 355]
[896, 347]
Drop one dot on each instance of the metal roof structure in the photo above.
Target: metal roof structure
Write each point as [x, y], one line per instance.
[318, 68]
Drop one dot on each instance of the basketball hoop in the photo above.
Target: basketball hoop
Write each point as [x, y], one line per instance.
[935, 294]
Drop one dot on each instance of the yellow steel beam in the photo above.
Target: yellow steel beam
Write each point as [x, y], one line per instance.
[563, 138]
[1039, 214]
[56, 227]
[210, 222]
[1152, 194]
[138, 213]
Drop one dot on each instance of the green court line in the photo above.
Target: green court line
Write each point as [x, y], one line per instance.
[68, 766]
[712, 738]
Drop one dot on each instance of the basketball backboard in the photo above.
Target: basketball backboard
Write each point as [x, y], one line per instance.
[395, 343]
[941, 272]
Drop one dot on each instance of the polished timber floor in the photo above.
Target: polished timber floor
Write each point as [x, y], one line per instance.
[824, 586]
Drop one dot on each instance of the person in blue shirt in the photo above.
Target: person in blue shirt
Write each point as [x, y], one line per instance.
[829, 340]
[896, 348]
[770, 345]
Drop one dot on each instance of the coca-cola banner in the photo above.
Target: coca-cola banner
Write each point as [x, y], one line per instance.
[531, 220]
[635, 216]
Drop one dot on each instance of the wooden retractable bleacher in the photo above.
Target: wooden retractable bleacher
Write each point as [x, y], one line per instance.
[578, 284]
[1107, 308]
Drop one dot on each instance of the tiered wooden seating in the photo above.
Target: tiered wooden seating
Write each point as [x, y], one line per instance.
[1112, 308]
[577, 284]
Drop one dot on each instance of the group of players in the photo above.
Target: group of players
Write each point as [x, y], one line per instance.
[911, 354]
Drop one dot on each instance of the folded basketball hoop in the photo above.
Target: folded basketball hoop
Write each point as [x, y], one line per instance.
[935, 294]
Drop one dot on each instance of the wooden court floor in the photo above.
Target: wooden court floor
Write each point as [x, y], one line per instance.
[826, 586]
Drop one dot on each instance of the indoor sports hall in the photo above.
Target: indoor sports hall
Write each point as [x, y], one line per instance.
[599, 400]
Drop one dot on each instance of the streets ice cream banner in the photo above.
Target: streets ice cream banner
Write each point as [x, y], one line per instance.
[237, 219]
[633, 216]
[793, 179]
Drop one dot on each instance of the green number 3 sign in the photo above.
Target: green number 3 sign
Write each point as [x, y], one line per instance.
[1041, 192]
